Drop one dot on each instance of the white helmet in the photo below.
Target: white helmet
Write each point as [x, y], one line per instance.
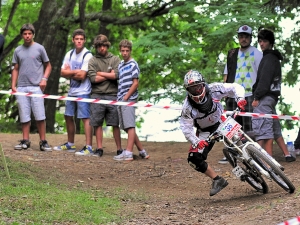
[195, 85]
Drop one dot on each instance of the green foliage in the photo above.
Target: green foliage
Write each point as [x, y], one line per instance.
[60, 125]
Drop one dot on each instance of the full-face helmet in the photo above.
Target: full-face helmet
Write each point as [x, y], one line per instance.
[194, 83]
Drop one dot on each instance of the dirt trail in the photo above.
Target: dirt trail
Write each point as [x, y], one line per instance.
[164, 189]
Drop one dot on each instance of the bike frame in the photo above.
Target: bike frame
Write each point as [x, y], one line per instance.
[230, 130]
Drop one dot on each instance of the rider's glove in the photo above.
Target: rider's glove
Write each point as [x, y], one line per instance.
[201, 145]
[223, 118]
[241, 103]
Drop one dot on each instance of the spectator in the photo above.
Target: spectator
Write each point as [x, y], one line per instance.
[104, 63]
[75, 67]
[241, 67]
[266, 92]
[128, 92]
[30, 74]
[202, 109]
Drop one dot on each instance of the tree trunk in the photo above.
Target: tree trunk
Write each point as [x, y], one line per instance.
[52, 33]
[107, 4]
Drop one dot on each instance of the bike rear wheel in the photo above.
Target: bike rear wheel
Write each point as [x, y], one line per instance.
[251, 175]
[275, 172]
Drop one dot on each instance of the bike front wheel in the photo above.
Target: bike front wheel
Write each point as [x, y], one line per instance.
[275, 172]
[251, 175]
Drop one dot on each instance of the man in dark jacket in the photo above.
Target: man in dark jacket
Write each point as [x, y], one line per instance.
[266, 92]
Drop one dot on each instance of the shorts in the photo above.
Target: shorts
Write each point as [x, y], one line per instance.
[126, 116]
[266, 128]
[26, 105]
[101, 112]
[82, 108]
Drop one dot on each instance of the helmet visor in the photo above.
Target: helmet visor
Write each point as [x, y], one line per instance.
[196, 89]
[197, 92]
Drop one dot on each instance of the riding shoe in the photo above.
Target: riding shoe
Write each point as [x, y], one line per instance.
[217, 186]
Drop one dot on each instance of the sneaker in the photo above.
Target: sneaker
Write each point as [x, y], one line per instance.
[290, 158]
[217, 186]
[297, 150]
[123, 157]
[85, 151]
[24, 144]
[223, 161]
[44, 146]
[144, 155]
[98, 152]
[119, 152]
[65, 147]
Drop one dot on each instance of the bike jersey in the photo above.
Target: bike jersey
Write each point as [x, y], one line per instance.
[192, 117]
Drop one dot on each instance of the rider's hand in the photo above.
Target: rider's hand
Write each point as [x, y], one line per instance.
[241, 103]
[202, 144]
[223, 118]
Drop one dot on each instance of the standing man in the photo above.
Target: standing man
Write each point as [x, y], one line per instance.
[242, 65]
[128, 92]
[31, 71]
[104, 64]
[75, 67]
[266, 92]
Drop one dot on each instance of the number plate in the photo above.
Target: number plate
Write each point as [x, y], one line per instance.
[229, 128]
[238, 171]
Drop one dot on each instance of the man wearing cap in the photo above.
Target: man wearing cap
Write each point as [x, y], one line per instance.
[266, 92]
[241, 67]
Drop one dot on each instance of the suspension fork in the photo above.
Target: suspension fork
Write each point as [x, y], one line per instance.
[246, 157]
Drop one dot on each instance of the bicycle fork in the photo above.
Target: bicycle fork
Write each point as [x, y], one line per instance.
[252, 162]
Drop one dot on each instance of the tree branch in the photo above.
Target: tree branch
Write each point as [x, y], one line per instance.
[109, 17]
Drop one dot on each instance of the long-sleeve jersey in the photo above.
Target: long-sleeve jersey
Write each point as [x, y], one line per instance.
[206, 121]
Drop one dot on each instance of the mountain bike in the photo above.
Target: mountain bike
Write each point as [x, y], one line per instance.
[250, 162]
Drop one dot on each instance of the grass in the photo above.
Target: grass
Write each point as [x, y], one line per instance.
[26, 199]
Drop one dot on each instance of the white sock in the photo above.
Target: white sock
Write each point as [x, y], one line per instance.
[71, 144]
[128, 152]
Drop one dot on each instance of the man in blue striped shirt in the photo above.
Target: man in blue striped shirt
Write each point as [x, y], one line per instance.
[128, 92]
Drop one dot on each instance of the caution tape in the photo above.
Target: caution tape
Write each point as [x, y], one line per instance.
[272, 116]
[91, 100]
[137, 104]
[293, 221]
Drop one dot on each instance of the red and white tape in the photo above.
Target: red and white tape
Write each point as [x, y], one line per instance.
[272, 116]
[90, 100]
[293, 221]
[136, 104]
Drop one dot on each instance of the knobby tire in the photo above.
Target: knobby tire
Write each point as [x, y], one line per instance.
[275, 172]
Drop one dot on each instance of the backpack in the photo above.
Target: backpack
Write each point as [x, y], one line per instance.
[71, 53]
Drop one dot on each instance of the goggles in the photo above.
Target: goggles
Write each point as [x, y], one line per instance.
[197, 92]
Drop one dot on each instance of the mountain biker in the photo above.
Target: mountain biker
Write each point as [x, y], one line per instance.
[202, 110]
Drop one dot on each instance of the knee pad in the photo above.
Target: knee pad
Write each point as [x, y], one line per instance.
[197, 161]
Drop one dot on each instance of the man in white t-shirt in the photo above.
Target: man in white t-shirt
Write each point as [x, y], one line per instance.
[241, 67]
[75, 67]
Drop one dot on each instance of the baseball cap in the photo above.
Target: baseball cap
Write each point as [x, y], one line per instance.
[245, 29]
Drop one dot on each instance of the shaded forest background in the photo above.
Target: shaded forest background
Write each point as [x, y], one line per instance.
[169, 38]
